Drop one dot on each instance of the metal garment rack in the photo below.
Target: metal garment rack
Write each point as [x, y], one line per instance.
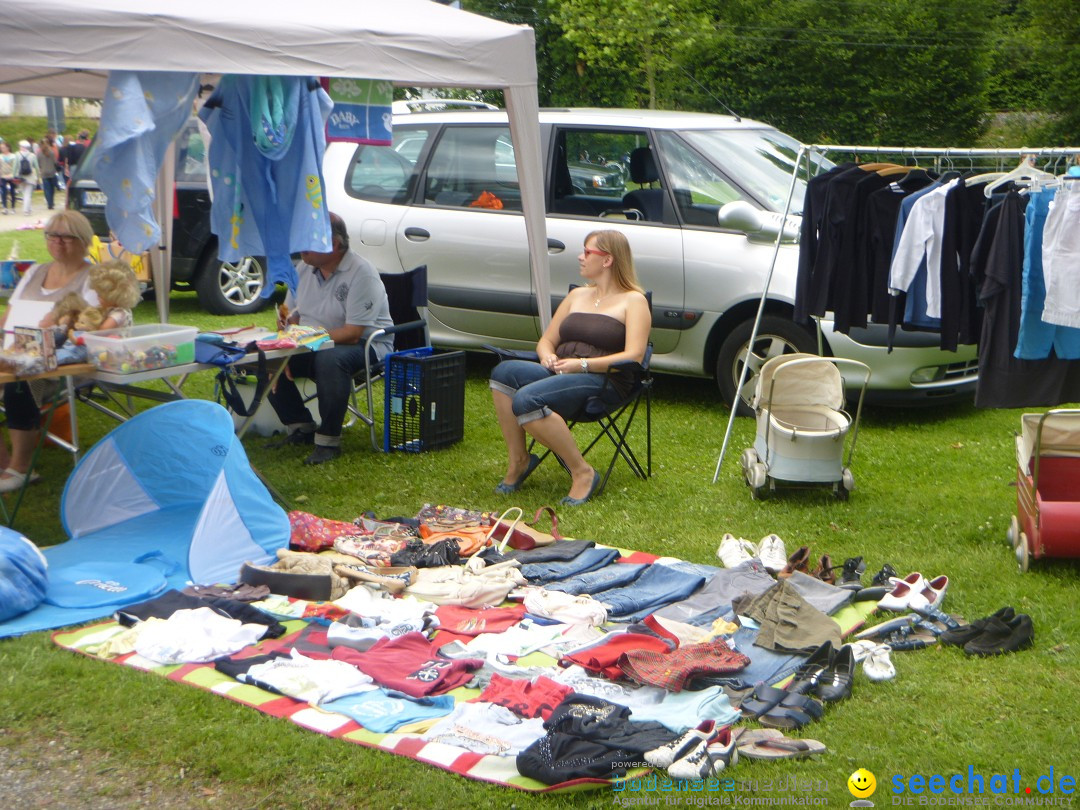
[938, 154]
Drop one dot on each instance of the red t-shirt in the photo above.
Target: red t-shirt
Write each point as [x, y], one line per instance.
[410, 664]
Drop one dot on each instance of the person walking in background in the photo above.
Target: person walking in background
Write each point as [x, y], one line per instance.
[27, 175]
[73, 153]
[7, 178]
[48, 157]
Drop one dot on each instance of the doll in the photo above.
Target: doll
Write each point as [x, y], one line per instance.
[117, 291]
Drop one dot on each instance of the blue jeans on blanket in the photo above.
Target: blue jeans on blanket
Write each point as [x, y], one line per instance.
[657, 586]
[537, 392]
[588, 560]
[714, 600]
[610, 576]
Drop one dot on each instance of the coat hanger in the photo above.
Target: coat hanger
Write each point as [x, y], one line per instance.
[1025, 171]
[889, 171]
[873, 167]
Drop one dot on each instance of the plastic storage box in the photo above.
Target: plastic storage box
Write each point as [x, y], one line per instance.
[141, 348]
[425, 400]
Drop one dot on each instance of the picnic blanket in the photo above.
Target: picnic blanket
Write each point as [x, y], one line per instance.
[499, 770]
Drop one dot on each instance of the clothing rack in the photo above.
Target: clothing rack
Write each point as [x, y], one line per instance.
[915, 152]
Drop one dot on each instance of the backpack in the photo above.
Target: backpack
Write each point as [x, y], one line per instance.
[24, 167]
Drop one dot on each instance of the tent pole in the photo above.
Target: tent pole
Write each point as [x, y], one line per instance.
[803, 152]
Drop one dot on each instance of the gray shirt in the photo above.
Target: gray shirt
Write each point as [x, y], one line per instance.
[354, 295]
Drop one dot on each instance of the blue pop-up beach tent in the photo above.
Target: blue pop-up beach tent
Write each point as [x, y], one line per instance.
[170, 494]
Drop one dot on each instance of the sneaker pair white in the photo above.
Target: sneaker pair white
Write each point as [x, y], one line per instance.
[770, 550]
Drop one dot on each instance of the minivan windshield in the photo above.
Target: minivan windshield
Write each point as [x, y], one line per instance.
[761, 159]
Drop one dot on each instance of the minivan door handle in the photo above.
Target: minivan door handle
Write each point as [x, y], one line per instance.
[417, 234]
[555, 246]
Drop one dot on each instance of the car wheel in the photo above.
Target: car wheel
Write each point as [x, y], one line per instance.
[227, 288]
[776, 336]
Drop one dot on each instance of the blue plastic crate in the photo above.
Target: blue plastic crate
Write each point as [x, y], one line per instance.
[425, 400]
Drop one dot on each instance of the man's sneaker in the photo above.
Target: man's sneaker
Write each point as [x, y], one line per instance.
[707, 759]
[678, 748]
[733, 551]
[772, 553]
[321, 454]
[299, 436]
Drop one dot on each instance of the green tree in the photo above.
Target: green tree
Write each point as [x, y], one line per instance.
[898, 71]
[640, 39]
[1056, 34]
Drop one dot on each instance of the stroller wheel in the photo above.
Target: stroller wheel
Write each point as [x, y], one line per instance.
[1012, 535]
[848, 480]
[841, 492]
[748, 459]
[1022, 556]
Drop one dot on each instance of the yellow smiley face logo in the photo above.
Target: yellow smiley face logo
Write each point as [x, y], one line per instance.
[862, 784]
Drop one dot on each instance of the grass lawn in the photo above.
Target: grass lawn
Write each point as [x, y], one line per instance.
[935, 494]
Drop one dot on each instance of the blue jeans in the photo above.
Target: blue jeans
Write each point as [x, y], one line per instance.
[332, 370]
[610, 576]
[7, 191]
[48, 185]
[588, 560]
[659, 585]
[537, 392]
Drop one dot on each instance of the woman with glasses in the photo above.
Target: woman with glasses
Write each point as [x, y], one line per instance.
[604, 322]
[68, 235]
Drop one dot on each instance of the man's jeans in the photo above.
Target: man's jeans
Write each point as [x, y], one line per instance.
[332, 370]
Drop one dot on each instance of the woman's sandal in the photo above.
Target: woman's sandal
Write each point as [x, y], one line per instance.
[761, 700]
[794, 711]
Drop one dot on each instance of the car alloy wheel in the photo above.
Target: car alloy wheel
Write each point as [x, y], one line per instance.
[776, 336]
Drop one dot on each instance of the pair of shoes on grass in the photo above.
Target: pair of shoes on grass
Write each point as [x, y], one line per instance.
[700, 753]
[1001, 632]
[770, 550]
[319, 455]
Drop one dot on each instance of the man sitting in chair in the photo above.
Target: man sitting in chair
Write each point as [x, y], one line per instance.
[341, 292]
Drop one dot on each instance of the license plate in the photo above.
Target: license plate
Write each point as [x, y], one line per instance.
[95, 199]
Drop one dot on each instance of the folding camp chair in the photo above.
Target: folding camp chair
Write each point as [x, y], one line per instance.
[407, 295]
[614, 421]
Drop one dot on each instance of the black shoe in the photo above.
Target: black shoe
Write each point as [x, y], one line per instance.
[851, 577]
[322, 453]
[835, 682]
[807, 675]
[882, 576]
[962, 635]
[1001, 637]
[299, 436]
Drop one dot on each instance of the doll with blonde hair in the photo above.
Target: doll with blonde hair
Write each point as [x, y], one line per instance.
[117, 291]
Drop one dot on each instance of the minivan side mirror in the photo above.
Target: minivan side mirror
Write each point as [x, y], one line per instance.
[758, 225]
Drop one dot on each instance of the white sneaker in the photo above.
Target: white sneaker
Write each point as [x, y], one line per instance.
[772, 553]
[732, 551]
[878, 666]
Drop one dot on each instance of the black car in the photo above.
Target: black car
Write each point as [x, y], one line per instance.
[223, 288]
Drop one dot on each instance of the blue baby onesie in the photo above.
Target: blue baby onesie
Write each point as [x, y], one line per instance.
[267, 141]
[142, 113]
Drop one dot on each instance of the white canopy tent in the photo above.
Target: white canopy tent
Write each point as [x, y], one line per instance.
[67, 48]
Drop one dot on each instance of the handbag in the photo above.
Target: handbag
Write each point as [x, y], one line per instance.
[226, 357]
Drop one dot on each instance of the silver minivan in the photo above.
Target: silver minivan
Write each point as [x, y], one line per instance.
[446, 195]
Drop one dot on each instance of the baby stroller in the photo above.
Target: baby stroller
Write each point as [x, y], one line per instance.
[1047, 487]
[801, 427]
